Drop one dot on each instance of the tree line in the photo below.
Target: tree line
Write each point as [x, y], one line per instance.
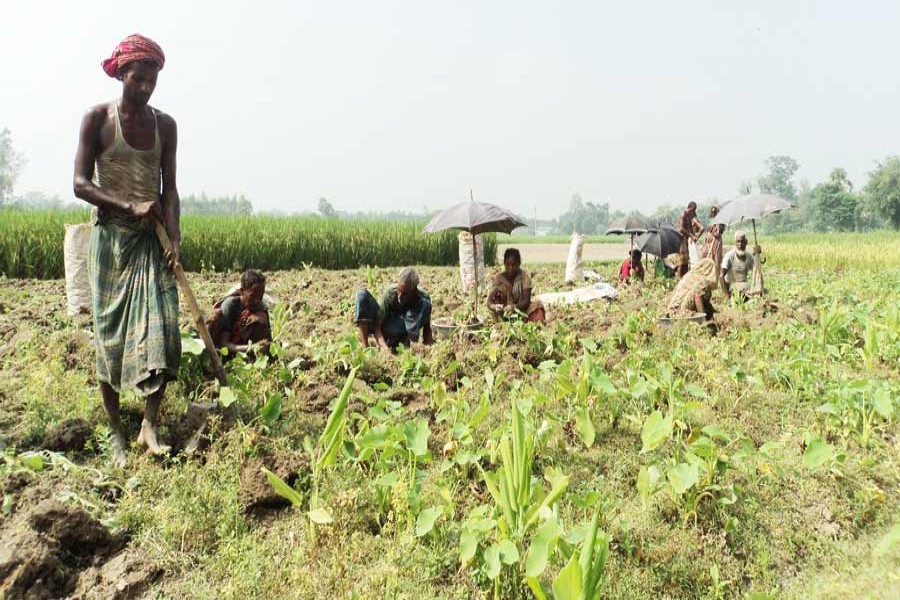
[835, 204]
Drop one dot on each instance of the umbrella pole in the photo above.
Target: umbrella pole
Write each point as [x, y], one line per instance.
[475, 286]
[757, 262]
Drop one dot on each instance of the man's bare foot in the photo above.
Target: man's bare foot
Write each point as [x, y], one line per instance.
[118, 447]
[149, 438]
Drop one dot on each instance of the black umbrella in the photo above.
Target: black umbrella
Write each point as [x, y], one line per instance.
[475, 217]
[663, 242]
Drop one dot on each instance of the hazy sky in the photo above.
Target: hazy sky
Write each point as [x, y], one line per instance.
[399, 105]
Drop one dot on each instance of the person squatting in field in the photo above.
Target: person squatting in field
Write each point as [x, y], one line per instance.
[132, 148]
[242, 317]
[404, 312]
[690, 228]
[511, 291]
[693, 292]
[737, 267]
[631, 267]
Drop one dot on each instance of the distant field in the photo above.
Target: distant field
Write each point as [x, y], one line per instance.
[513, 240]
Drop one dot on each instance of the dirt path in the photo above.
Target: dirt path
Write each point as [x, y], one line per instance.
[557, 253]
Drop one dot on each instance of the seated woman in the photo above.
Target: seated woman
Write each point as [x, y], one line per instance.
[512, 291]
[404, 312]
[693, 292]
[241, 318]
[631, 267]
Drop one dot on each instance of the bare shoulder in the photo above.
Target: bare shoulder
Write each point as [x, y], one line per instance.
[97, 114]
[165, 120]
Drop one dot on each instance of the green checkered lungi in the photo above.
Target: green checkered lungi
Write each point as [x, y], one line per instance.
[135, 306]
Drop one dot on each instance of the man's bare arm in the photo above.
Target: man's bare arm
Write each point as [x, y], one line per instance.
[85, 157]
[171, 203]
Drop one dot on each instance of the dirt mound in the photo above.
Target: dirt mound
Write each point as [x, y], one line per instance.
[256, 493]
[127, 575]
[70, 435]
[44, 550]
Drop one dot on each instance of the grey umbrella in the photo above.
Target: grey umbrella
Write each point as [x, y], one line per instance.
[752, 207]
[475, 217]
[630, 225]
[664, 241]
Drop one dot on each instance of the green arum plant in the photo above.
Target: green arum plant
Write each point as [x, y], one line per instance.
[521, 506]
[582, 578]
[461, 420]
[391, 452]
[859, 408]
[583, 392]
[322, 455]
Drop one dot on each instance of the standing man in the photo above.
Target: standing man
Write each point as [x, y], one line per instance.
[737, 267]
[132, 145]
[690, 228]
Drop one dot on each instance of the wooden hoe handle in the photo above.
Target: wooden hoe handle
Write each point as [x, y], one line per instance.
[193, 306]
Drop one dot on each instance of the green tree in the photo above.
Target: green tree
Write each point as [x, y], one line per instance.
[779, 181]
[883, 190]
[326, 208]
[834, 205]
[584, 217]
[11, 163]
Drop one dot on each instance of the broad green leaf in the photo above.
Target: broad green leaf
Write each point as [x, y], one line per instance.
[535, 586]
[226, 396]
[282, 488]
[272, 410]
[646, 482]
[468, 544]
[35, 461]
[682, 477]
[320, 516]
[388, 479]
[696, 391]
[714, 431]
[425, 520]
[584, 426]
[542, 545]
[509, 554]
[377, 437]
[888, 541]
[818, 452]
[602, 383]
[7, 505]
[192, 346]
[883, 404]
[568, 584]
[655, 431]
[417, 436]
[492, 561]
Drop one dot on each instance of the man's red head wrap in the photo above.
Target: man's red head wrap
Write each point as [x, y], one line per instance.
[133, 48]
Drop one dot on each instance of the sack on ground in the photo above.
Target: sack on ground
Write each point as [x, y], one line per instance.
[76, 247]
[574, 272]
[470, 261]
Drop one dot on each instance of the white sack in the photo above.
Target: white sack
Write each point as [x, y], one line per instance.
[76, 248]
[574, 272]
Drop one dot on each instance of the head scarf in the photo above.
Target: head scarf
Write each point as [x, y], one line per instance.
[133, 48]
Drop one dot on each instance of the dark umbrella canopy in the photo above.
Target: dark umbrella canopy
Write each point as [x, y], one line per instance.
[663, 242]
[475, 217]
[751, 206]
[630, 225]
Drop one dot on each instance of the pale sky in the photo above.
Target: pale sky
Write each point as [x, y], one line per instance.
[402, 105]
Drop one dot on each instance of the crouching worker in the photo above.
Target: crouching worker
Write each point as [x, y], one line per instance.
[512, 291]
[632, 267]
[404, 312]
[693, 292]
[241, 318]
